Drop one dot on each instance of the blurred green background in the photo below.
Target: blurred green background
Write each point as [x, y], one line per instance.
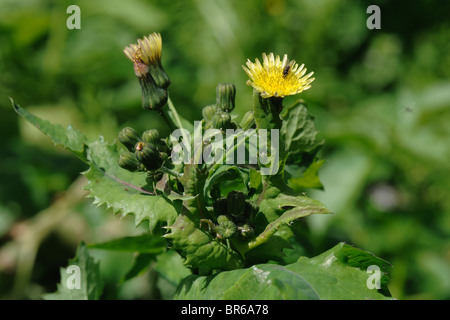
[381, 100]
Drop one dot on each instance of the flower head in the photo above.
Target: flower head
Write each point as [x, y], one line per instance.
[148, 49]
[277, 78]
[146, 57]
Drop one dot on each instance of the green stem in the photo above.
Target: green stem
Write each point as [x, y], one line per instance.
[173, 114]
[166, 119]
[170, 171]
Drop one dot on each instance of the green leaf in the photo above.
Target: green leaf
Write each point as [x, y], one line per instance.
[255, 179]
[69, 138]
[145, 243]
[301, 207]
[308, 179]
[225, 172]
[298, 132]
[109, 184]
[276, 214]
[83, 271]
[337, 274]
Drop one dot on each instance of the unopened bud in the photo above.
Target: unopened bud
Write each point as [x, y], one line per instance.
[248, 120]
[151, 136]
[129, 138]
[222, 121]
[148, 155]
[225, 96]
[227, 229]
[208, 112]
[128, 161]
[222, 219]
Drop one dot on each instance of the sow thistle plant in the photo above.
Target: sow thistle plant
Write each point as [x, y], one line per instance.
[223, 202]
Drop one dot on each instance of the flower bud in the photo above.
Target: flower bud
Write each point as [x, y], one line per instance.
[208, 112]
[222, 121]
[164, 156]
[151, 136]
[128, 161]
[227, 229]
[148, 155]
[129, 138]
[222, 219]
[225, 96]
[248, 120]
[146, 57]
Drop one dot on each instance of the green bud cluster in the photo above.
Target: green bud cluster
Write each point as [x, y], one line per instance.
[233, 213]
[145, 153]
[218, 116]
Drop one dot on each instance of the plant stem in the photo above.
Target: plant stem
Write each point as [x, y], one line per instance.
[171, 172]
[166, 119]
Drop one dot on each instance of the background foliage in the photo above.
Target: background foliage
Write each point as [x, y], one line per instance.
[380, 98]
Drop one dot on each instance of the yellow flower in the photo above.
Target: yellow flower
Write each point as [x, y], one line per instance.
[276, 78]
[146, 57]
[148, 50]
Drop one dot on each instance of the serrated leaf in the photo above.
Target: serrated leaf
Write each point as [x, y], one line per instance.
[69, 138]
[124, 191]
[83, 271]
[327, 276]
[109, 184]
[145, 243]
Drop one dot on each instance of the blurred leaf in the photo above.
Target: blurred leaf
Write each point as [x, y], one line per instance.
[170, 265]
[145, 243]
[91, 284]
[140, 263]
[309, 178]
